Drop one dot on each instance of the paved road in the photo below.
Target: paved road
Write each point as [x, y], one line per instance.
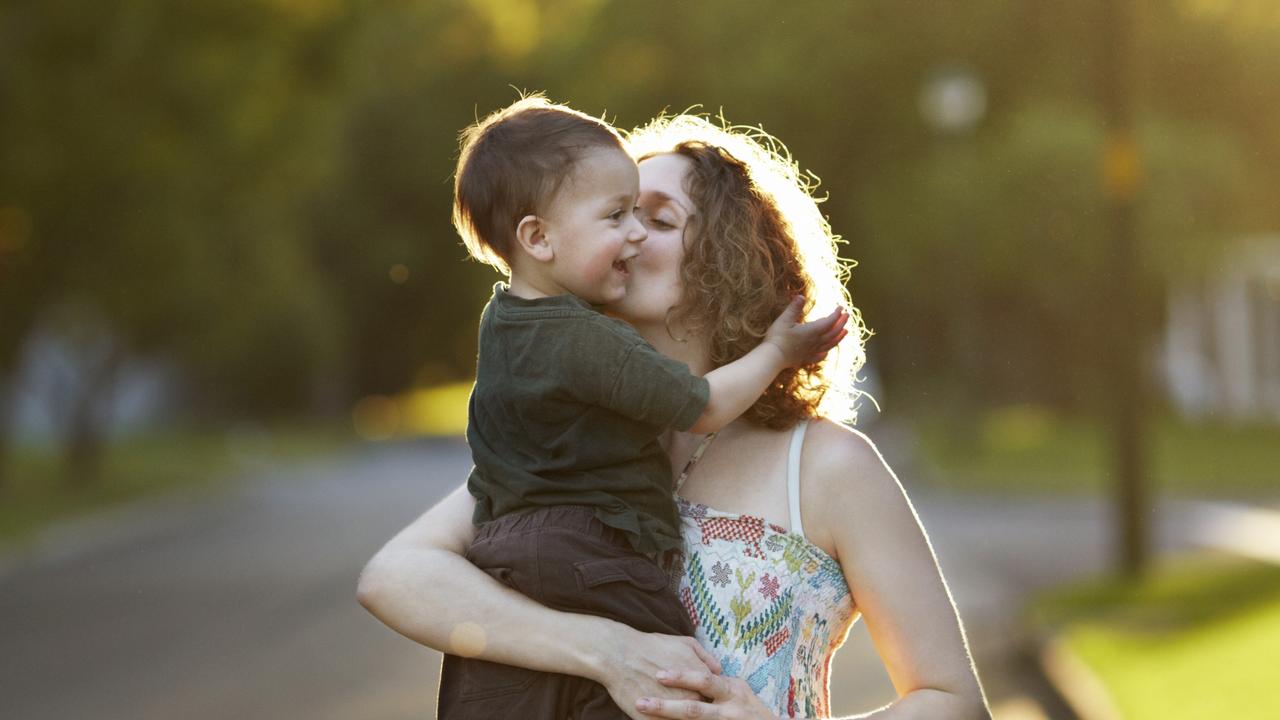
[243, 606]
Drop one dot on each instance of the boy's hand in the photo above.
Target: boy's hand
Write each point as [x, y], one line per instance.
[805, 343]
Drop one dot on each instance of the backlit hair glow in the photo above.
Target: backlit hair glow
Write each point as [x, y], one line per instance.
[756, 240]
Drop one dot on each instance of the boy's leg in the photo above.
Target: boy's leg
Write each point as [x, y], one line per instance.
[585, 566]
[473, 689]
[562, 557]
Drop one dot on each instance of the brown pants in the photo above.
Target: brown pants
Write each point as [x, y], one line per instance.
[564, 558]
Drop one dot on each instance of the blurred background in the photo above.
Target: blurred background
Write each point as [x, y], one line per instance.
[237, 330]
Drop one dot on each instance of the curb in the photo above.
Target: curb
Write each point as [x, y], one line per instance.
[127, 520]
[102, 529]
[1073, 679]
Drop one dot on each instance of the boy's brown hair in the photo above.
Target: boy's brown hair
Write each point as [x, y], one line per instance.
[511, 165]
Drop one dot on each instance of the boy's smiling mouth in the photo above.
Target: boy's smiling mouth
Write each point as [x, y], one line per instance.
[623, 266]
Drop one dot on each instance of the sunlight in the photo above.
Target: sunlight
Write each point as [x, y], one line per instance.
[516, 26]
[440, 410]
[376, 417]
[776, 174]
[1240, 15]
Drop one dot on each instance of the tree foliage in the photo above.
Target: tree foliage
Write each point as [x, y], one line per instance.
[260, 190]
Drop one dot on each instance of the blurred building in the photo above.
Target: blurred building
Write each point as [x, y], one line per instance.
[1221, 352]
[52, 377]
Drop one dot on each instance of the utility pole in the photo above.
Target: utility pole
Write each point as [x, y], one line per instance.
[1122, 180]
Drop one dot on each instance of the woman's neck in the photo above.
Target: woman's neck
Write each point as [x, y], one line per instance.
[692, 351]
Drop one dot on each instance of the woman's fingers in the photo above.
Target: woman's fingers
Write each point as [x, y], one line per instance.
[677, 709]
[710, 660]
[637, 657]
[726, 698]
[706, 684]
[714, 687]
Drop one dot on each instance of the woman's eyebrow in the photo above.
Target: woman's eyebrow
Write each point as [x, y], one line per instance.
[668, 200]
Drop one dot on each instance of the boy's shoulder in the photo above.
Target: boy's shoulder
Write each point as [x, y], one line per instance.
[573, 315]
[594, 336]
[621, 329]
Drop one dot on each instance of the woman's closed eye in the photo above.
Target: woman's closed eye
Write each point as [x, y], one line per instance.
[658, 222]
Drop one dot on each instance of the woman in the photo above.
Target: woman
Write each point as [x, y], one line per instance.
[793, 524]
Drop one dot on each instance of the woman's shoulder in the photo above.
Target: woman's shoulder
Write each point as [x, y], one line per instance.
[838, 453]
[845, 480]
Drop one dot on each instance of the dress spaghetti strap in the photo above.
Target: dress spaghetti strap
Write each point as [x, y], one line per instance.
[693, 460]
[793, 476]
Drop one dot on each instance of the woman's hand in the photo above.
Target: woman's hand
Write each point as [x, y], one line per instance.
[631, 660]
[730, 698]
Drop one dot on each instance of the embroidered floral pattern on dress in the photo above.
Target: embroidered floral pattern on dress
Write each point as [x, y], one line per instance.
[771, 606]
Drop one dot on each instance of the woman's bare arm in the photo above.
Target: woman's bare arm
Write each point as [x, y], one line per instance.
[894, 577]
[420, 585]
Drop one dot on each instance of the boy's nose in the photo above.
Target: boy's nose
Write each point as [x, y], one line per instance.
[638, 231]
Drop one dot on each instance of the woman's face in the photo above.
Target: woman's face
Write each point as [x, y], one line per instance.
[665, 209]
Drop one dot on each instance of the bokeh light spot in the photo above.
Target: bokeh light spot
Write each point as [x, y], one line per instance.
[376, 417]
[468, 639]
[1017, 427]
[441, 410]
[15, 228]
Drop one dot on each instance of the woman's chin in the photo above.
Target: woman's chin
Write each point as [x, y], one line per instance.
[620, 308]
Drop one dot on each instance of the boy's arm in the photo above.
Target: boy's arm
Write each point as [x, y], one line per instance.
[788, 343]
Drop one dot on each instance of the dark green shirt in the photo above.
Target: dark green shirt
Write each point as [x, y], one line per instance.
[566, 410]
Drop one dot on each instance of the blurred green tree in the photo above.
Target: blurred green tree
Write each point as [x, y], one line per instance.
[260, 191]
[161, 152]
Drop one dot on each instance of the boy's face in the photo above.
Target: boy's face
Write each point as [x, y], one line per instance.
[592, 227]
[666, 210]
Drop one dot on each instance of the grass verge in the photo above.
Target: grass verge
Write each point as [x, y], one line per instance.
[37, 491]
[1198, 638]
[1029, 449]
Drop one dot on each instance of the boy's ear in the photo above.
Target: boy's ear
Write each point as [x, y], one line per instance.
[532, 237]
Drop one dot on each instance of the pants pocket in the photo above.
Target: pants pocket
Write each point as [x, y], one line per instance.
[484, 680]
[481, 679]
[635, 571]
[630, 589]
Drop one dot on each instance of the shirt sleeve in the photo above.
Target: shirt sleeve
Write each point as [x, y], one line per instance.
[658, 390]
[607, 363]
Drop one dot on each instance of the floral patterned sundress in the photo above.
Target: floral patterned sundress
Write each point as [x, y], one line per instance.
[770, 605]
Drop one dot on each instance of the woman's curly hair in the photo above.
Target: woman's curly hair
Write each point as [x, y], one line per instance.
[756, 240]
